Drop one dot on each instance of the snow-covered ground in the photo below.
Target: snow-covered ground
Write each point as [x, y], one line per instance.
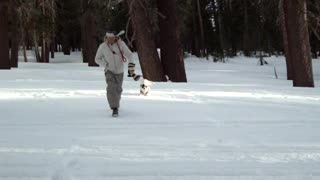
[232, 121]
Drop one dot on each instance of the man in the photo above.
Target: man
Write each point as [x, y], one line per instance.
[112, 54]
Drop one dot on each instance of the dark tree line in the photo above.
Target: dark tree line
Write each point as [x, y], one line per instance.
[218, 28]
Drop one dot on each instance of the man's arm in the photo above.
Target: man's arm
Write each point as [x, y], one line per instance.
[99, 59]
[126, 52]
[131, 66]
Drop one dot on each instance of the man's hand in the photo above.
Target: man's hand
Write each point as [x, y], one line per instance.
[131, 67]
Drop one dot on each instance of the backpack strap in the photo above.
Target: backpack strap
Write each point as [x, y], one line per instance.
[124, 59]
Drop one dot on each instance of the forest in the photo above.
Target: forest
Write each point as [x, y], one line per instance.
[212, 29]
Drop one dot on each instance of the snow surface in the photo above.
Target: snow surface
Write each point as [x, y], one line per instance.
[232, 121]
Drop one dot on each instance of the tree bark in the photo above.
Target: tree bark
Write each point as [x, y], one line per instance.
[14, 36]
[52, 48]
[24, 45]
[24, 51]
[66, 46]
[92, 39]
[44, 48]
[196, 47]
[53, 42]
[171, 51]
[84, 40]
[246, 36]
[45, 51]
[145, 42]
[261, 25]
[283, 11]
[202, 41]
[89, 34]
[222, 35]
[299, 45]
[4, 36]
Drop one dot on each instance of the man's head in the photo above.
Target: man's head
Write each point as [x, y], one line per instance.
[111, 37]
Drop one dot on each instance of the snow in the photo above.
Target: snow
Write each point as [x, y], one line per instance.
[231, 121]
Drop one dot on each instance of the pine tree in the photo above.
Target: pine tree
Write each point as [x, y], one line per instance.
[145, 41]
[88, 32]
[298, 41]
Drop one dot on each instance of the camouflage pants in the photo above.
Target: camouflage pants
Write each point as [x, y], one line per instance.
[114, 88]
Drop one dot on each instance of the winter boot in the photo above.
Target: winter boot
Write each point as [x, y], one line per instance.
[115, 112]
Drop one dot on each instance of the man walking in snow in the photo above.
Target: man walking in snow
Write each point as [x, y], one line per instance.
[112, 55]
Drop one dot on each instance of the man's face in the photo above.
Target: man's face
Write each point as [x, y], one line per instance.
[111, 40]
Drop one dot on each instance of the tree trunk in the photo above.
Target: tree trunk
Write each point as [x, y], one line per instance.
[14, 36]
[260, 33]
[202, 43]
[24, 45]
[222, 36]
[36, 47]
[89, 35]
[66, 46]
[45, 51]
[145, 42]
[298, 40]
[52, 48]
[28, 42]
[84, 40]
[196, 49]
[4, 36]
[246, 36]
[283, 11]
[44, 48]
[171, 51]
[53, 42]
[91, 44]
[24, 51]
[56, 46]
